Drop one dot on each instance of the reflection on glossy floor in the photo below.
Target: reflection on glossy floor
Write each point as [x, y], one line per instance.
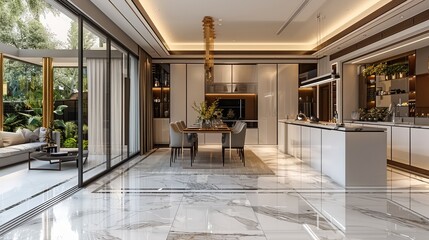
[296, 203]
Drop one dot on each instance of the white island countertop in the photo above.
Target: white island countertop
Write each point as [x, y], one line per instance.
[331, 126]
[395, 124]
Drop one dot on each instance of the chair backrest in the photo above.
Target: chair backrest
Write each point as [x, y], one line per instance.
[236, 125]
[238, 136]
[179, 125]
[182, 124]
[175, 135]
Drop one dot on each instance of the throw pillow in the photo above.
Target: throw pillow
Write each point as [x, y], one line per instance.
[42, 134]
[11, 138]
[37, 131]
[29, 135]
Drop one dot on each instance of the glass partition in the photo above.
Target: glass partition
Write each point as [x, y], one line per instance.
[134, 107]
[118, 118]
[95, 101]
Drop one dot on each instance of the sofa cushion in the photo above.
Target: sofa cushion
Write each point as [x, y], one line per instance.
[8, 151]
[11, 138]
[27, 147]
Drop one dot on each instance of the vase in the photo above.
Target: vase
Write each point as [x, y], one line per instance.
[207, 123]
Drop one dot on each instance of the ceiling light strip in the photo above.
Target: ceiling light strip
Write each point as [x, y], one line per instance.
[389, 50]
[303, 4]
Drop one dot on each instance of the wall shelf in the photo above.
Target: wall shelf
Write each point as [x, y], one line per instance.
[161, 90]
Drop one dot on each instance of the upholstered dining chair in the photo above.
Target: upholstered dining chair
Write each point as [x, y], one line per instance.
[176, 143]
[238, 137]
[191, 136]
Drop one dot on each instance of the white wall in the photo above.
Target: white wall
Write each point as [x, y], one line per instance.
[287, 90]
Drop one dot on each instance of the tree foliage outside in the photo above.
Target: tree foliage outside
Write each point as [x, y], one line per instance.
[21, 27]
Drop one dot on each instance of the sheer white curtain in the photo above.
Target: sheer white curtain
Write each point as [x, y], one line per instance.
[116, 107]
[96, 72]
[134, 132]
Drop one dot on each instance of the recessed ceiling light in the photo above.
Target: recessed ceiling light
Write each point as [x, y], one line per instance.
[220, 19]
[402, 16]
[220, 24]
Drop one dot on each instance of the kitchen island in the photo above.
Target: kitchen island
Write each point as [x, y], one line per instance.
[406, 144]
[353, 156]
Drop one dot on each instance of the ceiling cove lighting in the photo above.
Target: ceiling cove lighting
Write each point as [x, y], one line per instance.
[389, 50]
[209, 36]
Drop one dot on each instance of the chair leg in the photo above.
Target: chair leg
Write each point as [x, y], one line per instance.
[223, 156]
[192, 155]
[171, 155]
[244, 158]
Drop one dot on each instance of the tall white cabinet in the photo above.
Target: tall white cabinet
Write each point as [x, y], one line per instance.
[195, 93]
[178, 92]
[267, 103]
[277, 94]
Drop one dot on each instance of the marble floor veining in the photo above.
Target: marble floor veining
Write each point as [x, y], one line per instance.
[132, 202]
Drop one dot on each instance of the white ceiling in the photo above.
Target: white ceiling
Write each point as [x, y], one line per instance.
[253, 24]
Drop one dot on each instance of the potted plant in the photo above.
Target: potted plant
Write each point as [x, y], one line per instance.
[207, 113]
[403, 70]
[389, 72]
[368, 71]
[380, 69]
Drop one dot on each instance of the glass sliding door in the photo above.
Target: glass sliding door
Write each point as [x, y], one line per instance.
[134, 107]
[118, 118]
[95, 101]
[41, 42]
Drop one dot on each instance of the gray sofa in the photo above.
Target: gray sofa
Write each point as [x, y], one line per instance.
[16, 153]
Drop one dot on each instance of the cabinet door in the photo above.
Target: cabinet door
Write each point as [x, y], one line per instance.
[267, 103]
[222, 73]
[305, 144]
[195, 93]
[316, 149]
[282, 137]
[419, 148]
[244, 73]
[178, 92]
[401, 145]
[294, 140]
[161, 130]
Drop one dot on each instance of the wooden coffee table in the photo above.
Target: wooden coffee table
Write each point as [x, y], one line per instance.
[54, 158]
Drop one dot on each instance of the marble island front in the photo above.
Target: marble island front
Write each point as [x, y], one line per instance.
[353, 156]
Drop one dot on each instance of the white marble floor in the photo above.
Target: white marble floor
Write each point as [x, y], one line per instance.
[296, 203]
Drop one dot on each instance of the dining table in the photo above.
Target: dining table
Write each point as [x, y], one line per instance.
[214, 129]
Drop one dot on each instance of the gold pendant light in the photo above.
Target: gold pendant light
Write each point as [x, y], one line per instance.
[209, 36]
